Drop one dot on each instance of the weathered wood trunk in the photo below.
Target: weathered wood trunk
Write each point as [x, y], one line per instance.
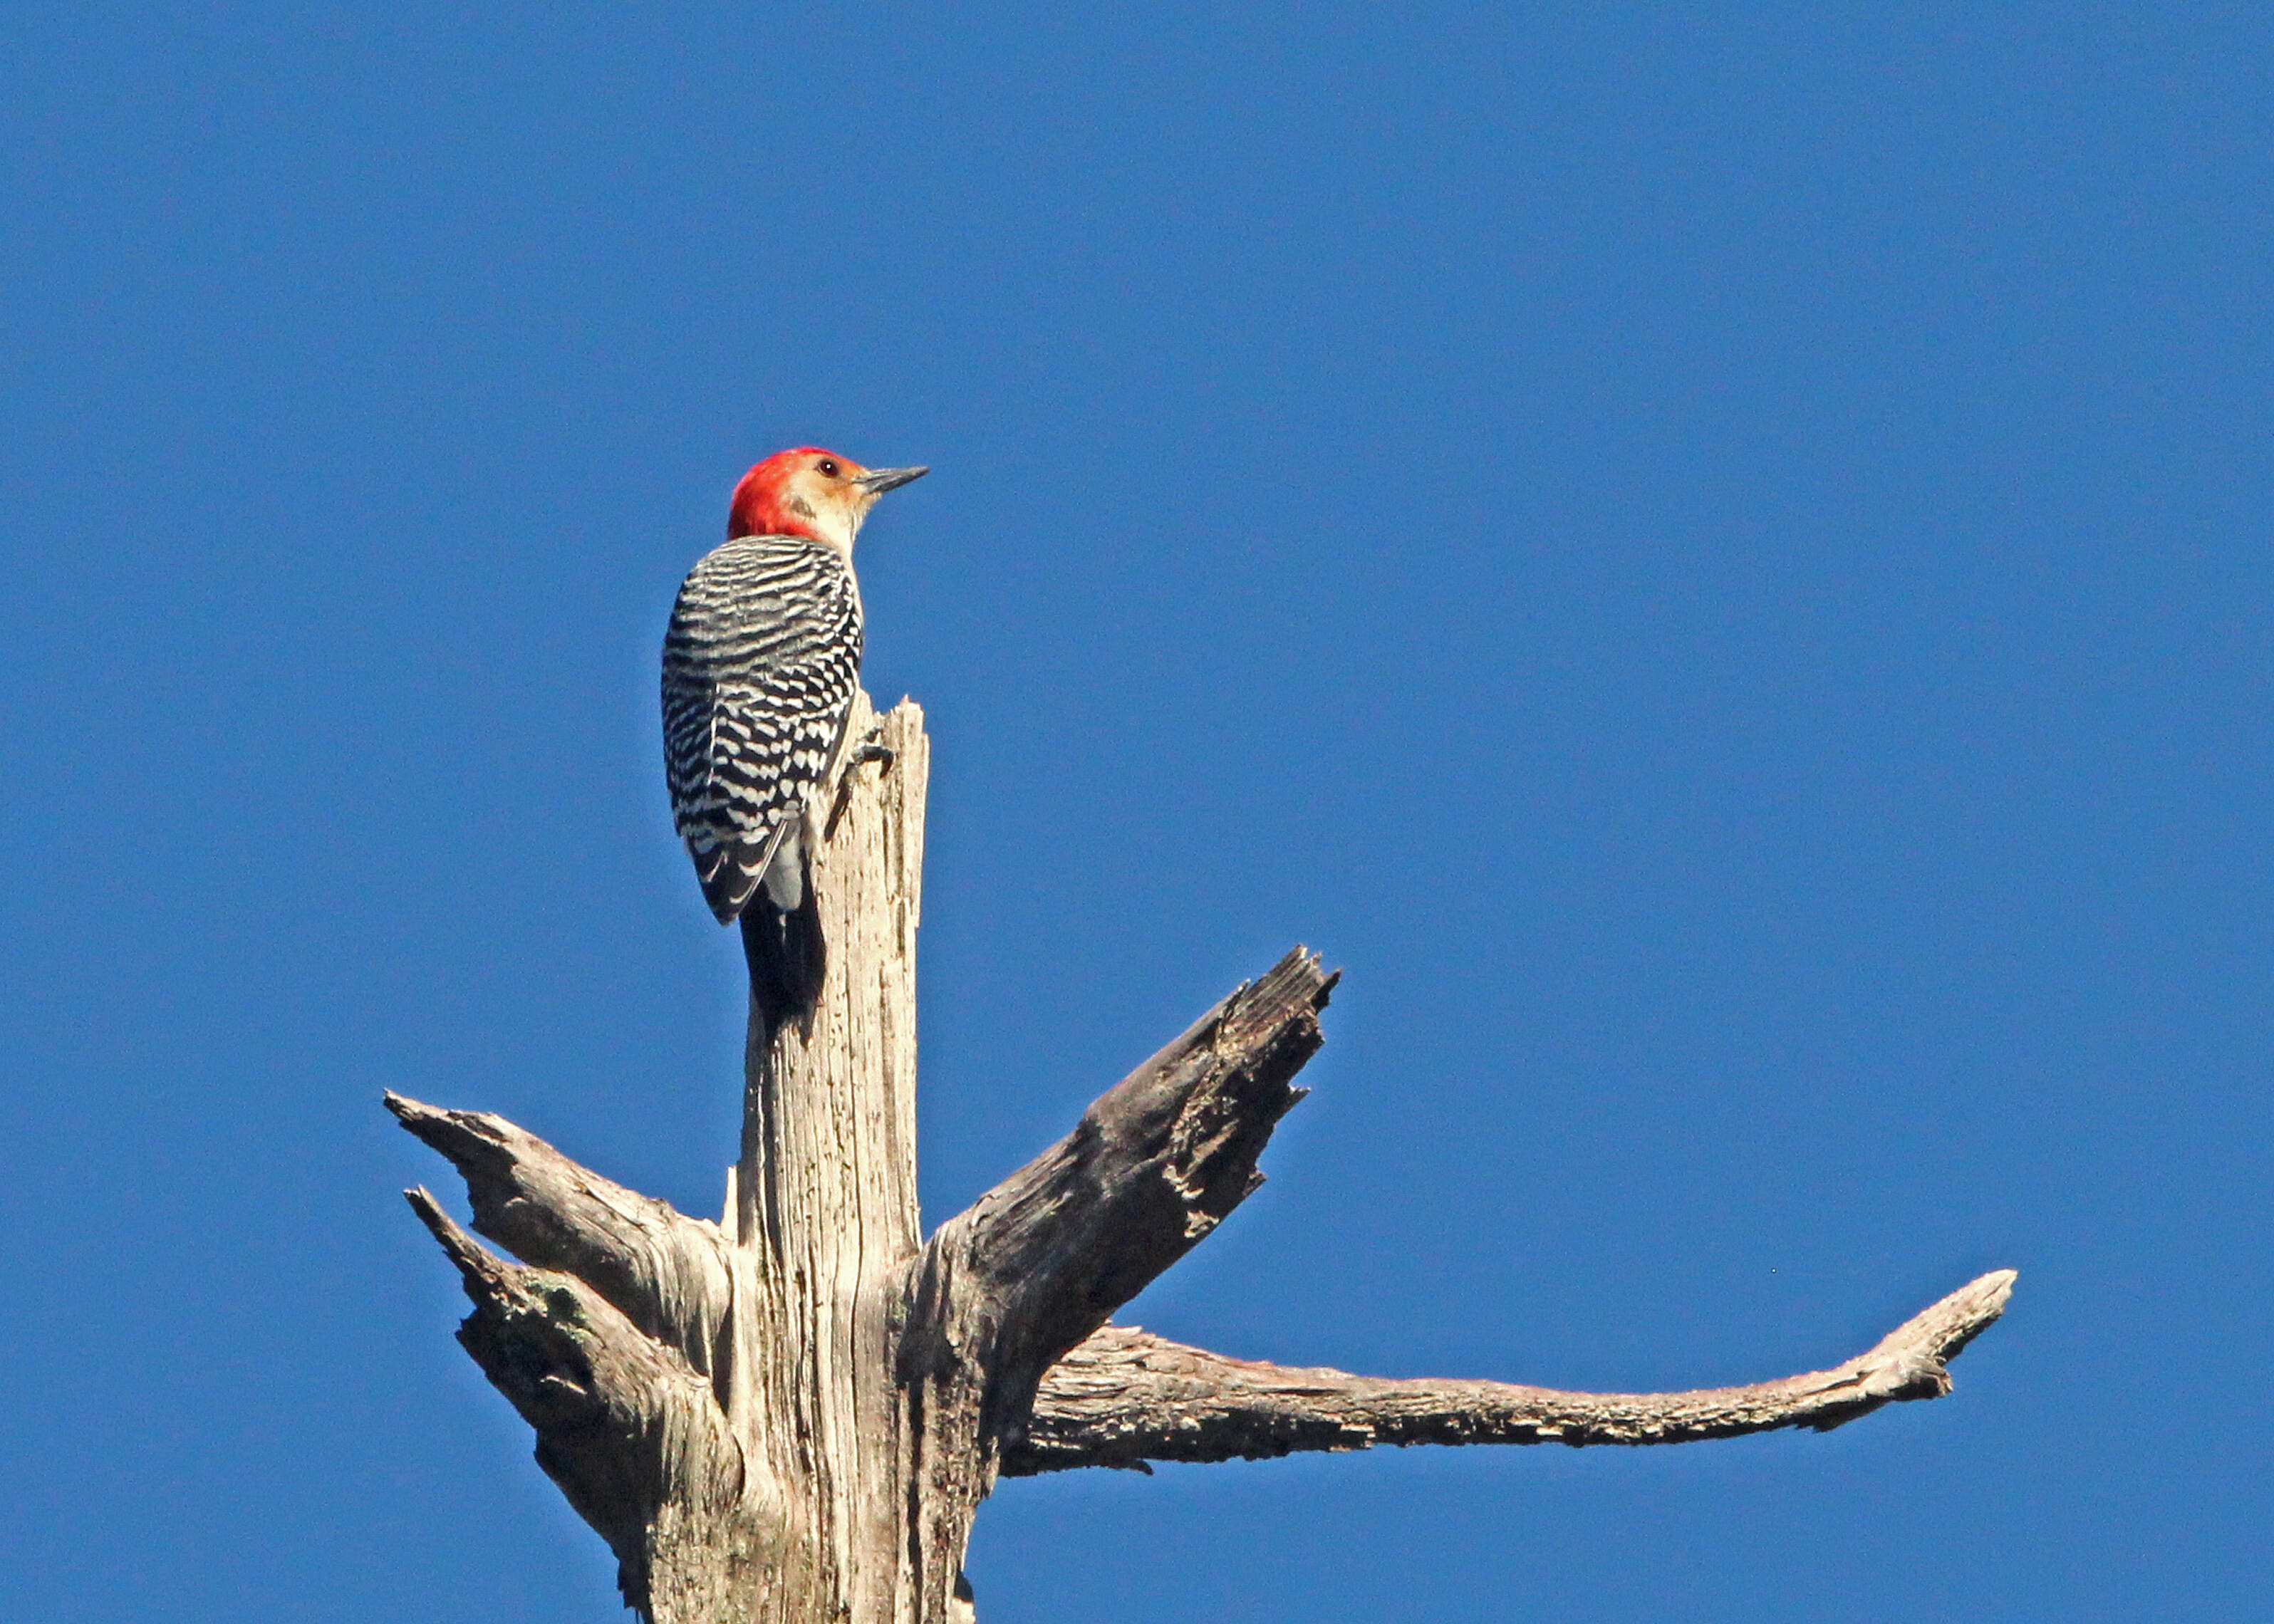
[791, 1416]
[822, 1211]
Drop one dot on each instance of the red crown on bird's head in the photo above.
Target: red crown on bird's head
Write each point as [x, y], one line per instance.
[762, 505]
[811, 492]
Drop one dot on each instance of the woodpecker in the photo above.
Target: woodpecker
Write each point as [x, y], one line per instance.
[759, 670]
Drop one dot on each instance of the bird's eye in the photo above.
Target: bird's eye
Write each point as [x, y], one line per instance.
[828, 465]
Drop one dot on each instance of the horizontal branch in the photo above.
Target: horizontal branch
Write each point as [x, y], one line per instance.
[661, 1268]
[1125, 1397]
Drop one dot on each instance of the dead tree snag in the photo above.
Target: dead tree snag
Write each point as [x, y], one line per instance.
[792, 1415]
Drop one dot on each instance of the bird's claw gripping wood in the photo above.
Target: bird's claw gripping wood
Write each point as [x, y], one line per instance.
[873, 748]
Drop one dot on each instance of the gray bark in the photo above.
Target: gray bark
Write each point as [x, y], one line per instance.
[1125, 1397]
[793, 1415]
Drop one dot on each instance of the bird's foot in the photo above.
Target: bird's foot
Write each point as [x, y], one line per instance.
[869, 749]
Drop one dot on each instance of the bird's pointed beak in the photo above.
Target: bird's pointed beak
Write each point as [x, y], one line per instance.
[877, 481]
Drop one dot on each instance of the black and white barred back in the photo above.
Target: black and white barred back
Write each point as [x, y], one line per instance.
[759, 670]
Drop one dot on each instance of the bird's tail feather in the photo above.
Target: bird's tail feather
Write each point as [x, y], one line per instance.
[787, 957]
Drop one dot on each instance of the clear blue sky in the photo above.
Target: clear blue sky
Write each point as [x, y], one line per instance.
[1716, 558]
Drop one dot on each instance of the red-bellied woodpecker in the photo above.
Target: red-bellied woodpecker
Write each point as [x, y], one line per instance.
[759, 670]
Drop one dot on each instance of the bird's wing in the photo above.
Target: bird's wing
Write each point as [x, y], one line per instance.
[759, 669]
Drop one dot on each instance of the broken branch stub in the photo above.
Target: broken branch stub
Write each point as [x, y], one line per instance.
[1039, 1262]
[624, 1426]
